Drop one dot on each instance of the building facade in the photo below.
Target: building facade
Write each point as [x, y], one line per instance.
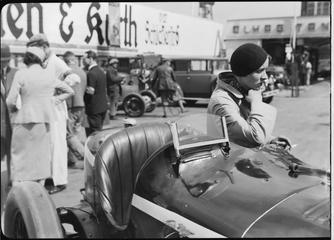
[312, 33]
[117, 29]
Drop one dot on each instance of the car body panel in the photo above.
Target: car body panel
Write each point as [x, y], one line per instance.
[245, 193]
[230, 208]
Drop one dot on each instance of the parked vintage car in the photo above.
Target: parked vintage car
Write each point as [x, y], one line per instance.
[179, 179]
[133, 101]
[196, 76]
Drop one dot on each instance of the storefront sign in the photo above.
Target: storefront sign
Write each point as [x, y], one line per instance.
[257, 28]
[124, 25]
[273, 28]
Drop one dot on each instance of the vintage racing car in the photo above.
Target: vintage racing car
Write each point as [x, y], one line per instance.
[179, 179]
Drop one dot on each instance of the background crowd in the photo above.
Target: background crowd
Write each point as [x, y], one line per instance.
[54, 105]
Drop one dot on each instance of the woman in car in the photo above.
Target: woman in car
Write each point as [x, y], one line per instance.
[238, 98]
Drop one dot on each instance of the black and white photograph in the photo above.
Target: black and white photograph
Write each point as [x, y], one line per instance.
[166, 119]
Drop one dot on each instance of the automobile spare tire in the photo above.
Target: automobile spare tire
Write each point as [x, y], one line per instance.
[134, 105]
[30, 213]
[150, 99]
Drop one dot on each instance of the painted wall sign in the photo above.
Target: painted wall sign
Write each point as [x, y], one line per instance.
[124, 25]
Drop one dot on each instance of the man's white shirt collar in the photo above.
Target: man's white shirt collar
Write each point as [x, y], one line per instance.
[91, 66]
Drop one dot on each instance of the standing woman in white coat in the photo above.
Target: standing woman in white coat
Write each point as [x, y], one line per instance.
[57, 68]
[31, 148]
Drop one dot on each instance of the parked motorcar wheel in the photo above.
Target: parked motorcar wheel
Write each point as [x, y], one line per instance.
[30, 213]
[134, 105]
[150, 100]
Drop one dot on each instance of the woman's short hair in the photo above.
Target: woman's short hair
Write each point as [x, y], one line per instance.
[30, 58]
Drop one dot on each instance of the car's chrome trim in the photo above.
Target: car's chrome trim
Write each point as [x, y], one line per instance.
[184, 226]
[251, 225]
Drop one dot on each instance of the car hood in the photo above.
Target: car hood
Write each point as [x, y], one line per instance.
[251, 195]
[308, 217]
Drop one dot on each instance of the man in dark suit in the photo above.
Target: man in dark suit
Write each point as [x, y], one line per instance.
[7, 73]
[96, 93]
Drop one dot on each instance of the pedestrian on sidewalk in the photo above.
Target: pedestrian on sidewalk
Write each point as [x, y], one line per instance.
[308, 72]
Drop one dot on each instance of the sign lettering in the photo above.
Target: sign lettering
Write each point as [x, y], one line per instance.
[96, 27]
[65, 36]
[38, 6]
[311, 27]
[279, 28]
[161, 34]
[128, 42]
[102, 23]
[325, 26]
[12, 21]
[256, 28]
[235, 29]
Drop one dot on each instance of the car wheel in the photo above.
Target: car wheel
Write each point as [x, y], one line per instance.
[150, 100]
[134, 105]
[268, 99]
[30, 213]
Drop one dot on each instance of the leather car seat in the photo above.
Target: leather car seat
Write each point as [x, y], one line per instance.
[118, 162]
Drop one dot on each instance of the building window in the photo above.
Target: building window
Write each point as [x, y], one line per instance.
[315, 8]
[310, 9]
[323, 8]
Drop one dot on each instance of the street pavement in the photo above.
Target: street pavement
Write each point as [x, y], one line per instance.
[305, 120]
